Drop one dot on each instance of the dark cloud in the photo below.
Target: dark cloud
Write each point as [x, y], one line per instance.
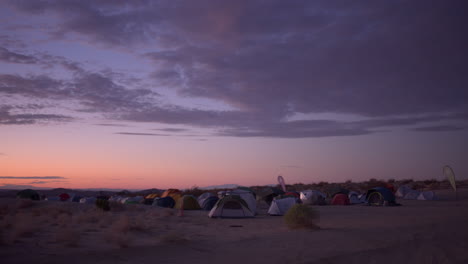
[141, 134]
[16, 186]
[393, 62]
[7, 118]
[111, 125]
[171, 129]
[438, 128]
[39, 182]
[12, 57]
[291, 166]
[32, 177]
[96, 92]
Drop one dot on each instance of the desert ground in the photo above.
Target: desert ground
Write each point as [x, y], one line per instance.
[65, 232]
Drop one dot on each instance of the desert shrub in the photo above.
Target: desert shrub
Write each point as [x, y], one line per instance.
[103, 204]
[301, 216]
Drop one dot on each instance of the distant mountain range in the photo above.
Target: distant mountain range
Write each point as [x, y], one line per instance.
[222, 186]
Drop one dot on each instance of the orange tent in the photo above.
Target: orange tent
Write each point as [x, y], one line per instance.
[173, 193]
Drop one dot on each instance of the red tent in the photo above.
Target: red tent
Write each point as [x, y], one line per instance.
[390, 187]
[340, 199]
[295, 194]
[64, 196]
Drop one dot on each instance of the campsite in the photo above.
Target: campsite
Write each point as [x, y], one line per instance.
[54, 231]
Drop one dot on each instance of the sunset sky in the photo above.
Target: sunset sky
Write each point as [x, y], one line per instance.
[159, 94]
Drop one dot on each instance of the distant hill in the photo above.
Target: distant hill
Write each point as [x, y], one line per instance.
[222, 186]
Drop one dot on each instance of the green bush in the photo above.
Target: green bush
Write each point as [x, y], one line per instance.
[103, 204]
[301, 216]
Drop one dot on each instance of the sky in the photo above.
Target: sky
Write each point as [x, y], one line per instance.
[177, 94]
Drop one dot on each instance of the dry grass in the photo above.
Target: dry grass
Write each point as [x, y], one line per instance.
[2, 239]
[24, 203]
[89, 216]
[4, 209]
[167, 212]
[67, 236]
[117, 207]
[122, 240]
[64, 219]
[24, 226]
[174, 238]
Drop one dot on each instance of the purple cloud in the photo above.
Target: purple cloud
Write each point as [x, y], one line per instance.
[7, 118]
[393, 63]
[32, 177]
[12, 57]
[141, 134]
[438, 128]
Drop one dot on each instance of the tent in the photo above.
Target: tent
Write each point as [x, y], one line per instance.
[247, 196]
[149, 199]
[247, 189]
[88, 200]
[340, 199]
[167, 202]
[267, 194]
[293, 194]
[390, 186]
[231, 206]
[204, 196]
[312, 197]
[334, 189]
[427, 195]
[134, 200]
[380, 196]
[402, 191]
[209, 203]
[412, 195]
[76, 198]
[187, 202]
[28, 194]
[152, 195]
[174, 193]
[356, 198]
[117, 199]
[64, 197]
[281, 206]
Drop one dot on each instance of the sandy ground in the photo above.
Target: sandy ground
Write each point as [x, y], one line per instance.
[56, 232]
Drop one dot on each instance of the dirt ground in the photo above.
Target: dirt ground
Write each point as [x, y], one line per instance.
[65, 232]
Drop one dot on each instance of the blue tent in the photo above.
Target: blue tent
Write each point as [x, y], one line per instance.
[380, 196]
[209, 202]
[164, 202]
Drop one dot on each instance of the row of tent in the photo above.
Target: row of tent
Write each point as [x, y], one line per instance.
[407, 193]
[242, 202]
[377, 196]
